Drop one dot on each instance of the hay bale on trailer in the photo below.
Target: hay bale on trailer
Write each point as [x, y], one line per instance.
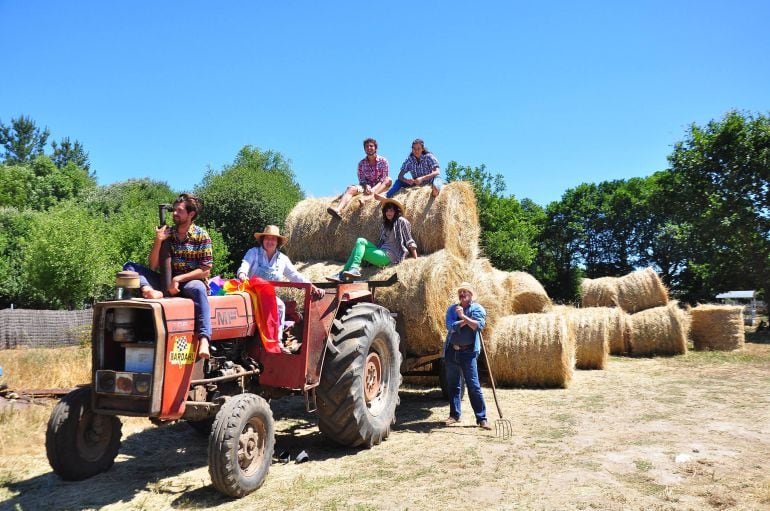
[659, 331]
[717, 327]
[447, 222]
[425, 288]
[532, 350]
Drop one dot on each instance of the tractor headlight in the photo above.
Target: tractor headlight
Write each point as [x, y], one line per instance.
[142, 383]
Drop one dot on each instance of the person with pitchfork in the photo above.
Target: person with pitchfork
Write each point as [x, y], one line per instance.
[464, 321]
[373, 179]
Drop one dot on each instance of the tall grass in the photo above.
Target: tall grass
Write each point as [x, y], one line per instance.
[46, 368]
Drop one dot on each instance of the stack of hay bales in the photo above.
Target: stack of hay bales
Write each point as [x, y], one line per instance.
[717, 327]
[447, 232]
[645, 323]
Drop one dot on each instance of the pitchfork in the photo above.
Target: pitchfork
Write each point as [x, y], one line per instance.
[503, 427]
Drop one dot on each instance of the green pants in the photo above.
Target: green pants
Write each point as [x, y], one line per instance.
[367, 251]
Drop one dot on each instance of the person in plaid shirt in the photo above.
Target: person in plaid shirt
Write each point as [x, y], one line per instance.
[186, 250]
[423, 166]
[372, 178]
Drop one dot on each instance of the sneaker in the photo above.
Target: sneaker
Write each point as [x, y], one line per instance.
[337, 277]
[485, 424]
[450, 421]
[353, 273]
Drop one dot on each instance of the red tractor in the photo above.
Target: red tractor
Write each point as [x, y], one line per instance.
[144, 364]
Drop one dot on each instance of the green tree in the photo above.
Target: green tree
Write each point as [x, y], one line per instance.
[15, 228]
[22, 140]
[508, 227]
[67, 257]
[258, 189]
[67, 152]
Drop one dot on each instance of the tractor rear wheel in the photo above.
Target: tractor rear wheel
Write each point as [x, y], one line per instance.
[358, 392]
[80, 443]
[241, 445]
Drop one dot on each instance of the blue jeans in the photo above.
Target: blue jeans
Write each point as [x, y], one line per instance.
[459, 365]
[194, 289]
[436, 182]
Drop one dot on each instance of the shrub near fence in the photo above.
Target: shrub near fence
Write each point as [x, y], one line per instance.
[26, 328]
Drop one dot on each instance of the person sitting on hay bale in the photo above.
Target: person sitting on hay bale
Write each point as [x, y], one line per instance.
[266, 262]
[394, 243]
[372, 178]
[423, 166]
[464, 321]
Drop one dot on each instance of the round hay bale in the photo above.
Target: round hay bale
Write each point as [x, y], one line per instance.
[532, 350]
[717, 327]
[425, 289]
[659, 331]
[505, 284]
[491, 294]
[449, 221]
[601, 292]
[618, 324]
[641, 290]
[528, 294]
[592, 342]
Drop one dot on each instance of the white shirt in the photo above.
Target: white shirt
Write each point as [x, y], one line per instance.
[255, 263]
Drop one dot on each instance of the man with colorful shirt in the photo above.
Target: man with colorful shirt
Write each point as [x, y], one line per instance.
[372, 178]
[184, 256]
[423, 166]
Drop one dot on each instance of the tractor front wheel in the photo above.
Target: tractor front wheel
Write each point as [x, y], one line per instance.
[358, 392]
[80, 443]
[241, 445]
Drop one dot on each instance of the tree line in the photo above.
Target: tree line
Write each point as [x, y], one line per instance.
[702, 223]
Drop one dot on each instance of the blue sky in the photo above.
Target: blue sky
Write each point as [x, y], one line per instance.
[550, 94]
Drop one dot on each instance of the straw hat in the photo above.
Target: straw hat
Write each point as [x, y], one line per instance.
[467, 286]
[400, 206]
[271, 230]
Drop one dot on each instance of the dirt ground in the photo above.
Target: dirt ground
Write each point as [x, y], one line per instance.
[689, 432]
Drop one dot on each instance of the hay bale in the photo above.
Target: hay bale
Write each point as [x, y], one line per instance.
[659, 331]
[449, 221]
[532, 350]
[592, 342]
[618, 324]
[717, 327]
[641, 290]
[425, 289]
[601, 292]
[529, 294]
[491, 294]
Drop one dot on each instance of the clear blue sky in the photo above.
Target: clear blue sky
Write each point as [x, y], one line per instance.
[550, 94]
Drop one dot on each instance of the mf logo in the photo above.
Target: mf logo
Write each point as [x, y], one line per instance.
[225, 317]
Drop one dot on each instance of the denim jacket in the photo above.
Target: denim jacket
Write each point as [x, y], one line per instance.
[474, 311]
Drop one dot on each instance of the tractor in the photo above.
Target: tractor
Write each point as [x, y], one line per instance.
[145, 365]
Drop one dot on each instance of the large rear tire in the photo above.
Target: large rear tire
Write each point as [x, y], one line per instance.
[241, 445]
[358, 392]
[80, 443]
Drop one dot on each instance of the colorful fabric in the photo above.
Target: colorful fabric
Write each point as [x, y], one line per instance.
[372, 173]
[262, 295]
[191, 253]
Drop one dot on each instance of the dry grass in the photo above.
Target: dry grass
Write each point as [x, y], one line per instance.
[717, 327]
[46, 368]
[659, 331]
[532, 350]
[448, 222]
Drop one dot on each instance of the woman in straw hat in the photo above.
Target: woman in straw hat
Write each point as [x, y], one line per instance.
[267, 262]
[394, 243]
[464, 322]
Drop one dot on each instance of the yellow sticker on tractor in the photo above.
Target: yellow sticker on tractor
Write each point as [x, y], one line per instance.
[181, 351]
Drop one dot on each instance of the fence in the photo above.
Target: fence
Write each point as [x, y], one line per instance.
[25, 328]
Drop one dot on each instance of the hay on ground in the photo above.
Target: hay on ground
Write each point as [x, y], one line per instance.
[618, 323]
[449, 221]
[641, 290]
[532, 350]
[601, 292]
[717, 327]
[659, 331]
[592, 331]
[425, 289]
